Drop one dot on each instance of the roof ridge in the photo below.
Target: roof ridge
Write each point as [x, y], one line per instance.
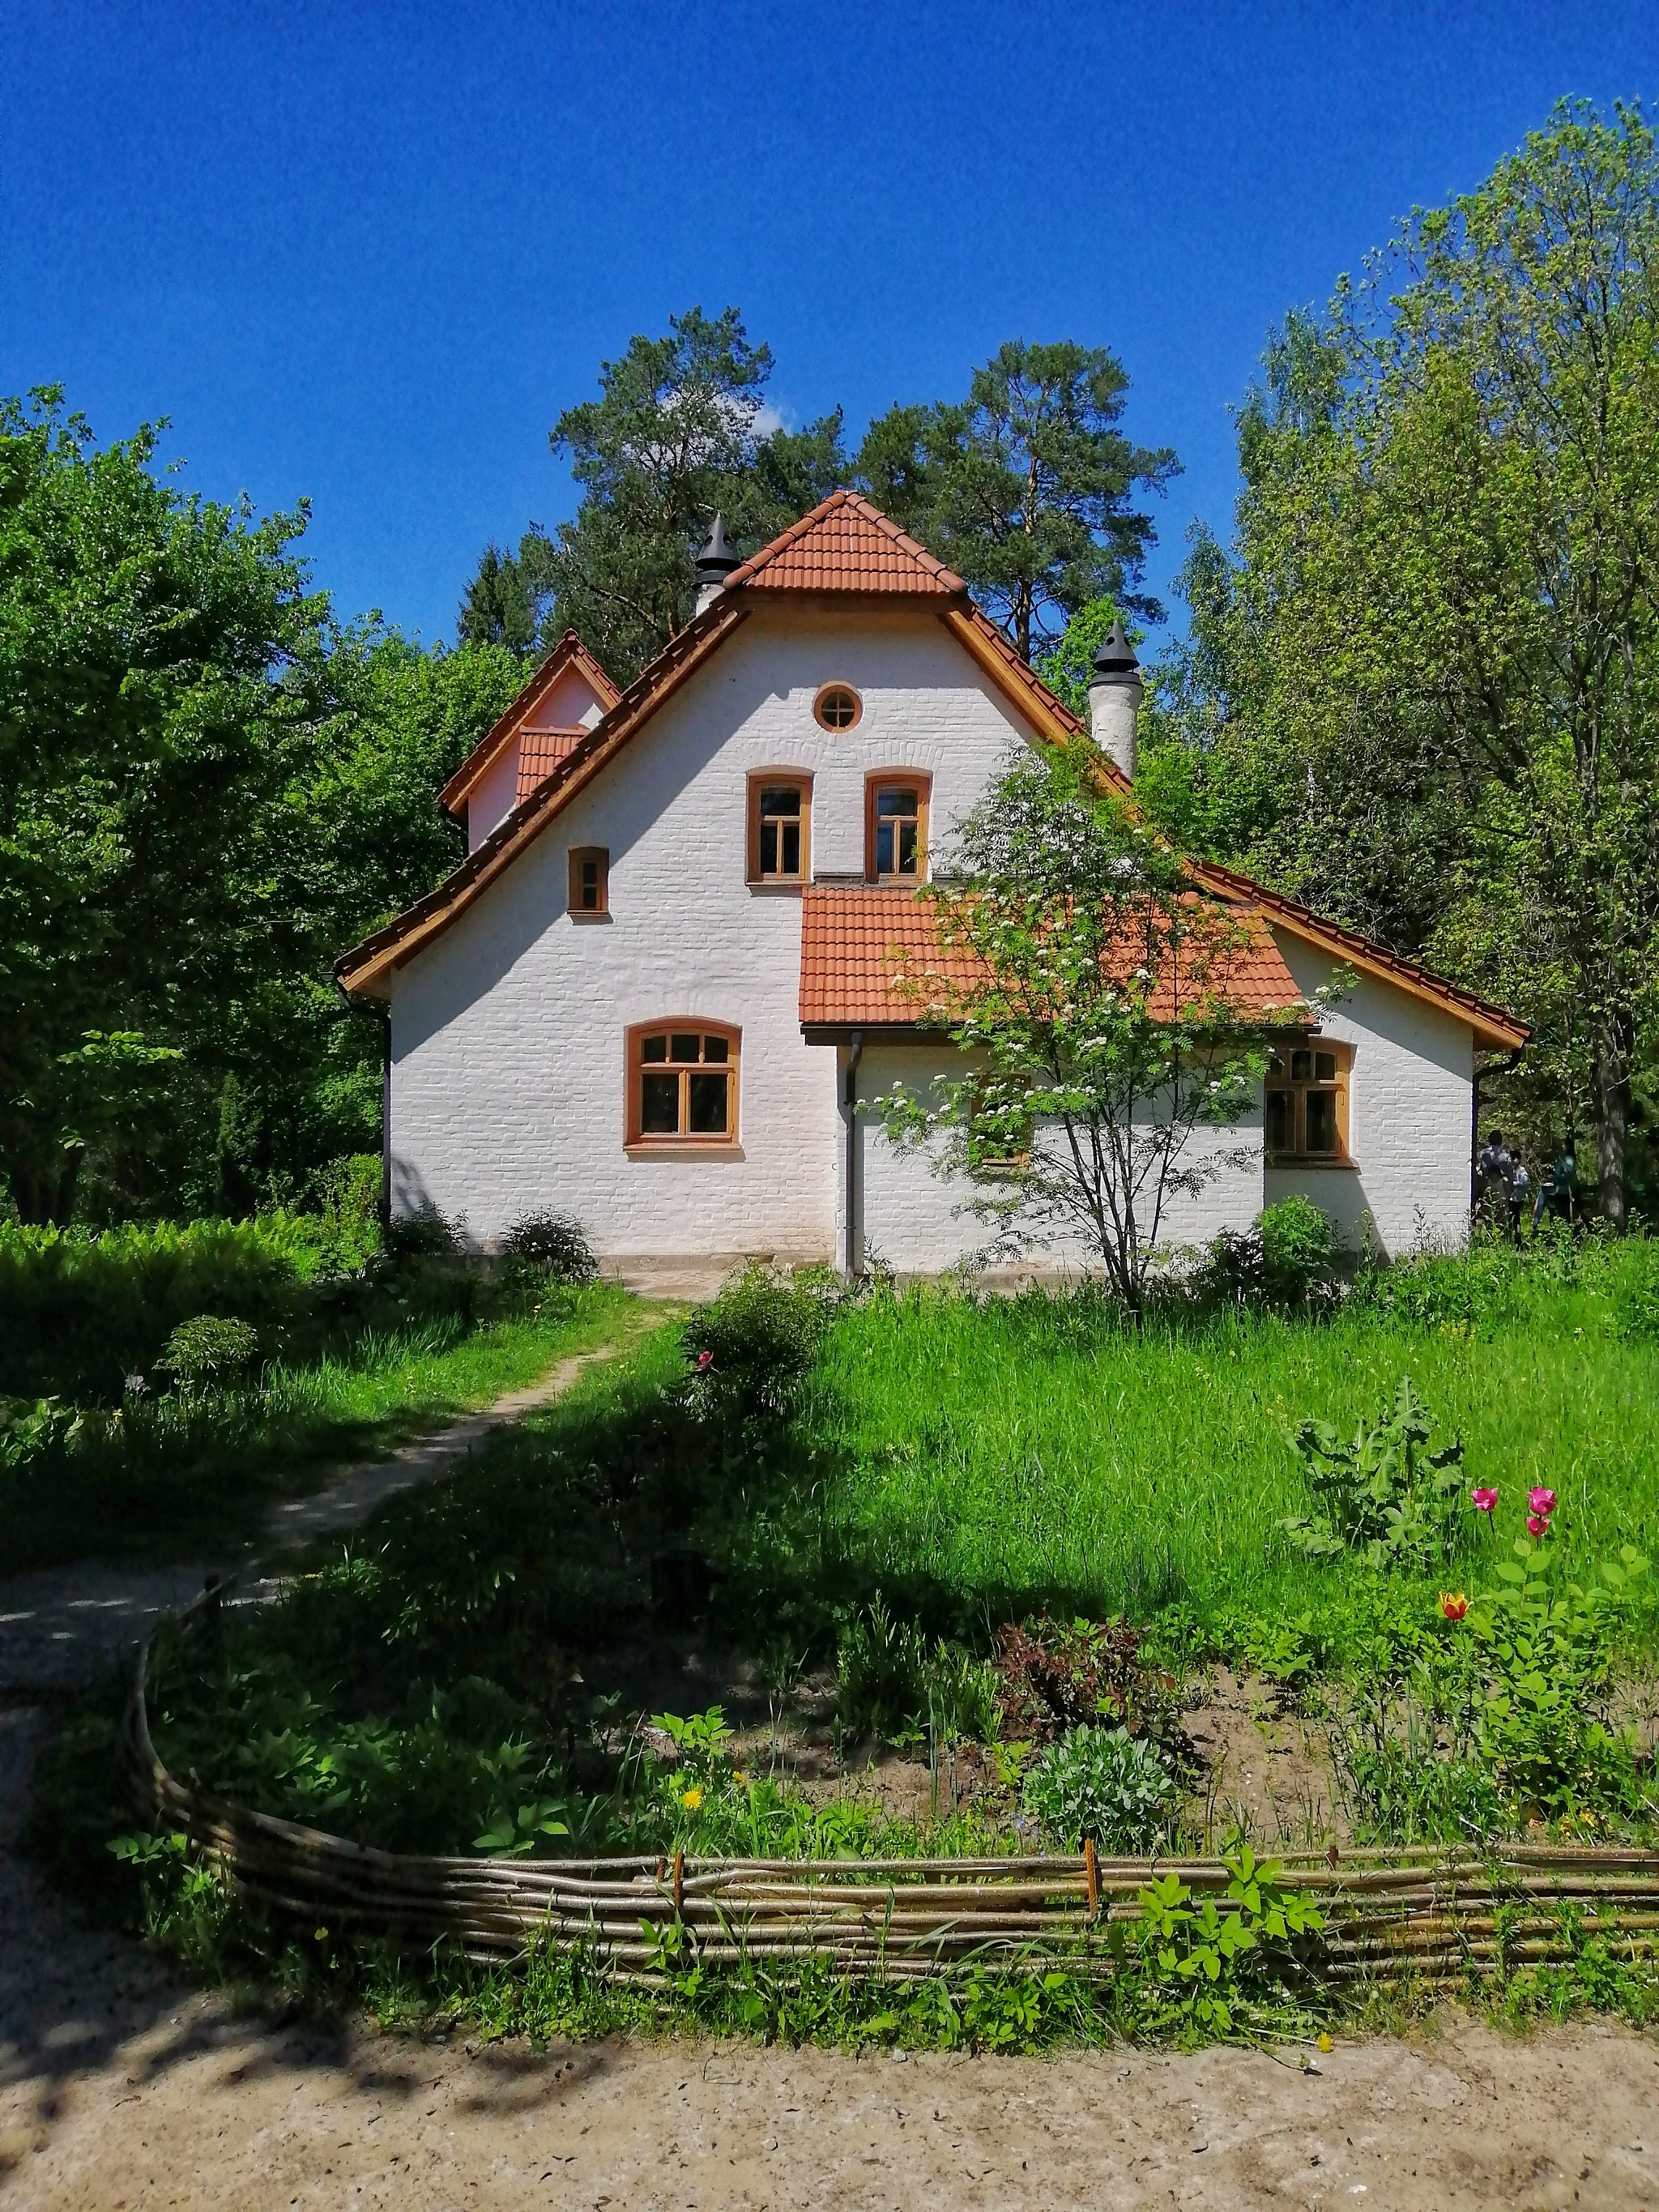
[845, 500]
[569, 651]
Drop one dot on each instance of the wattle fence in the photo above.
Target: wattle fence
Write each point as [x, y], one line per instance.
[1431, 1914]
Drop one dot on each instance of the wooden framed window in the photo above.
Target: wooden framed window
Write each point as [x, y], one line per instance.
[838, 707]
[590, 883]
[896, 828]
[780, 826]
[682, 1085]
[1305, 1105]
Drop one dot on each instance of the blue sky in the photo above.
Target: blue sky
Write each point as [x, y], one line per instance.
[366, 255]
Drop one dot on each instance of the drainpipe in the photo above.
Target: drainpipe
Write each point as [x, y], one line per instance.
[385, 1123]
[851, 1100]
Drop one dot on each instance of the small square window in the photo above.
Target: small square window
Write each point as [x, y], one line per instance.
[590, 883]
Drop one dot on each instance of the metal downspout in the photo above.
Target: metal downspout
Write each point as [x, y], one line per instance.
[851, 1100]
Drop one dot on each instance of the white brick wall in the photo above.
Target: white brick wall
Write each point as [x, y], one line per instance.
[914, 1219]
[508, 1032]
[1410, 1099]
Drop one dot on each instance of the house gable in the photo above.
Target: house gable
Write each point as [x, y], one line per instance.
[567, 695]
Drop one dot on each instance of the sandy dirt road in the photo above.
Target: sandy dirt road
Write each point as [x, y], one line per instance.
[122, 2089]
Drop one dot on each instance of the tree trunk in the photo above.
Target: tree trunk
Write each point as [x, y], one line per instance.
[42, 1186]
[1613, 1041]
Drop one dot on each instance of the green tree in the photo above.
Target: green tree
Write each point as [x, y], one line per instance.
[1439, 631]
[1027, 488]
[152, 702]
[1105, 1055]
[678, 432]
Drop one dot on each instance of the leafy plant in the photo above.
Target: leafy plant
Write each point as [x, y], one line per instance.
[34, 1435]
[517, 1823]
[750, 1350]
[555, 1245]
[1383, 1494]
[1287, 1262]
[210, 1351]
[1104, 1783]
[1204, 1957]
[881, 1685]
[1057, 1676]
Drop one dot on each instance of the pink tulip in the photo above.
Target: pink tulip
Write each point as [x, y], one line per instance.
[705, 1361]
[1541, 1501]
[1484, 1501]
[1537, 1525]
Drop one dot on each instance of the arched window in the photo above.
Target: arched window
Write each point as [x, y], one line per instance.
[683, 1085]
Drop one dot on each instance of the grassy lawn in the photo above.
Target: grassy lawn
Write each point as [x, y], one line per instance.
[198, 1481]
[1012, 1454]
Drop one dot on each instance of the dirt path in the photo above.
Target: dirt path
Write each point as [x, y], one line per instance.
[121, 2089]
[62, 1627]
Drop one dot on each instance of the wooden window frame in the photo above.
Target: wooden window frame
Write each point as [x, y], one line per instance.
[636, 1139]
[579, 855]
[838, 729]
[769, 779]
[875, 783]
[1298, 1088]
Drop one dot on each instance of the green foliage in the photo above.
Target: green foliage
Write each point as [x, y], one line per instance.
[1384, 1494]
[35, 1437]
[1099, 1031]
[209, 1350]
[750, 1349]
[1025, 487]
[1104, 1783]
[1067, 668]
[1286, 1263]
[674, 435]
[1421, 694]
[555, 1243]
[1207, 1959]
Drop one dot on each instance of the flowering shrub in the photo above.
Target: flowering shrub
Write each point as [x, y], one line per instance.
[750, 1351]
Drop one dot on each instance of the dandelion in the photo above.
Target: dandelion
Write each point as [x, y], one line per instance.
[322, 1935]
[1538, 1524]
[1454, 1604]
[691, 1798]
[1484, 1501]
[1541, 1502]
[739, 1777]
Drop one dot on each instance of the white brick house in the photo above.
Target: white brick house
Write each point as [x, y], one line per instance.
[655, 989]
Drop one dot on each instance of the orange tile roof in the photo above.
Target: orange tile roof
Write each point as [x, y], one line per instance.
[540, 752]
[846, 545]
[857, 943]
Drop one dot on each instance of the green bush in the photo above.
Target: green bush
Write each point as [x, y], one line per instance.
[1106, 1784]
[80, 1313]
[209, 1350]
[555, 1245]
[1287, 1263]
[750, 1350]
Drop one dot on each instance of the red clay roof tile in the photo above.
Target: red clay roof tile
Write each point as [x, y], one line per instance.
[540, 752]
[846, 545]
[857, 941]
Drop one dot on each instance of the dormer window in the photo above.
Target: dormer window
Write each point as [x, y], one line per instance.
[780, 826]
[837, 707]
[896, 829]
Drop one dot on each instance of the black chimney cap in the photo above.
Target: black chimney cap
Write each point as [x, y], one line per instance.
[1117, 656]
[719, 558]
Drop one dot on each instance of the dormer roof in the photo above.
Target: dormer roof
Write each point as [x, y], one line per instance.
[569, 652]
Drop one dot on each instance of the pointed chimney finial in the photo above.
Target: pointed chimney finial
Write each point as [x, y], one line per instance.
[1115, 689]
[715, 563]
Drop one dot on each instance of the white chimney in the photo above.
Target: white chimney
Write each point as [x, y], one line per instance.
[715, 563]
[1115, 689]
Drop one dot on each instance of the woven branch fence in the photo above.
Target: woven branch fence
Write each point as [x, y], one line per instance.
[1430, 1915]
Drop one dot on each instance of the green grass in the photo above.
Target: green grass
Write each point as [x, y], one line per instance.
[198, 1482]
[1012, 1453]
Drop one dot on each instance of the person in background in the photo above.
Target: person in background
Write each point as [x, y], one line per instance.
[1496, 1170]
[1520, 1192]
[1555, 1190]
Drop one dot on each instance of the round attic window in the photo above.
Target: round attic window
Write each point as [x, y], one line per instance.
[837, 707]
